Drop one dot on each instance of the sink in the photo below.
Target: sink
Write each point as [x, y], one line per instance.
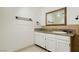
[59, 32]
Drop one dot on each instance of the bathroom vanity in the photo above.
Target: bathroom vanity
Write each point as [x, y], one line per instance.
[55, 42]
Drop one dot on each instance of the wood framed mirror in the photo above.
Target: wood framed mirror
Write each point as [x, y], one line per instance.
[56, 17]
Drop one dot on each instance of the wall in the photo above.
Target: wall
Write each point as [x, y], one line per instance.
[1, 30]
[14, 33]
[72, 12]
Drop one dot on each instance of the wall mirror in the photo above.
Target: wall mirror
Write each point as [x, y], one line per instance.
[56, 17]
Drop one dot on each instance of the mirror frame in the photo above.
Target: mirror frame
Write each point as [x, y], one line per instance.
[65, 21]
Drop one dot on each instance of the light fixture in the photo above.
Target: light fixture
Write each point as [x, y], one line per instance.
[77, 17]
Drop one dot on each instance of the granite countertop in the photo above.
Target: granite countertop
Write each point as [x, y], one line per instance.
[51, 32]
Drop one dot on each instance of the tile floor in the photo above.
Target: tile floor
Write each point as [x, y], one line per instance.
[33, 48]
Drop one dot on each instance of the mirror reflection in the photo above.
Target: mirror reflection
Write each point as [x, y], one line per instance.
[57, 17]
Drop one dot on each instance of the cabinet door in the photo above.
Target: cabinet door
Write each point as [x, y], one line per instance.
[50, 44]
[62, 46]
[39, 39]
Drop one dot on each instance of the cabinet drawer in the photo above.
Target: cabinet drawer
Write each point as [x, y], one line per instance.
[50, 36]
[53, 36]
[65, 38]
[39, 33]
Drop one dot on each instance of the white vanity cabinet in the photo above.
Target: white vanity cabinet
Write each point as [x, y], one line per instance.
[53, 42]
[57, 43]
[50, 42]
[62, 46]
[39, 39]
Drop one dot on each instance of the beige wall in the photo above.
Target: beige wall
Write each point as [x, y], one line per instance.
[16, 34]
